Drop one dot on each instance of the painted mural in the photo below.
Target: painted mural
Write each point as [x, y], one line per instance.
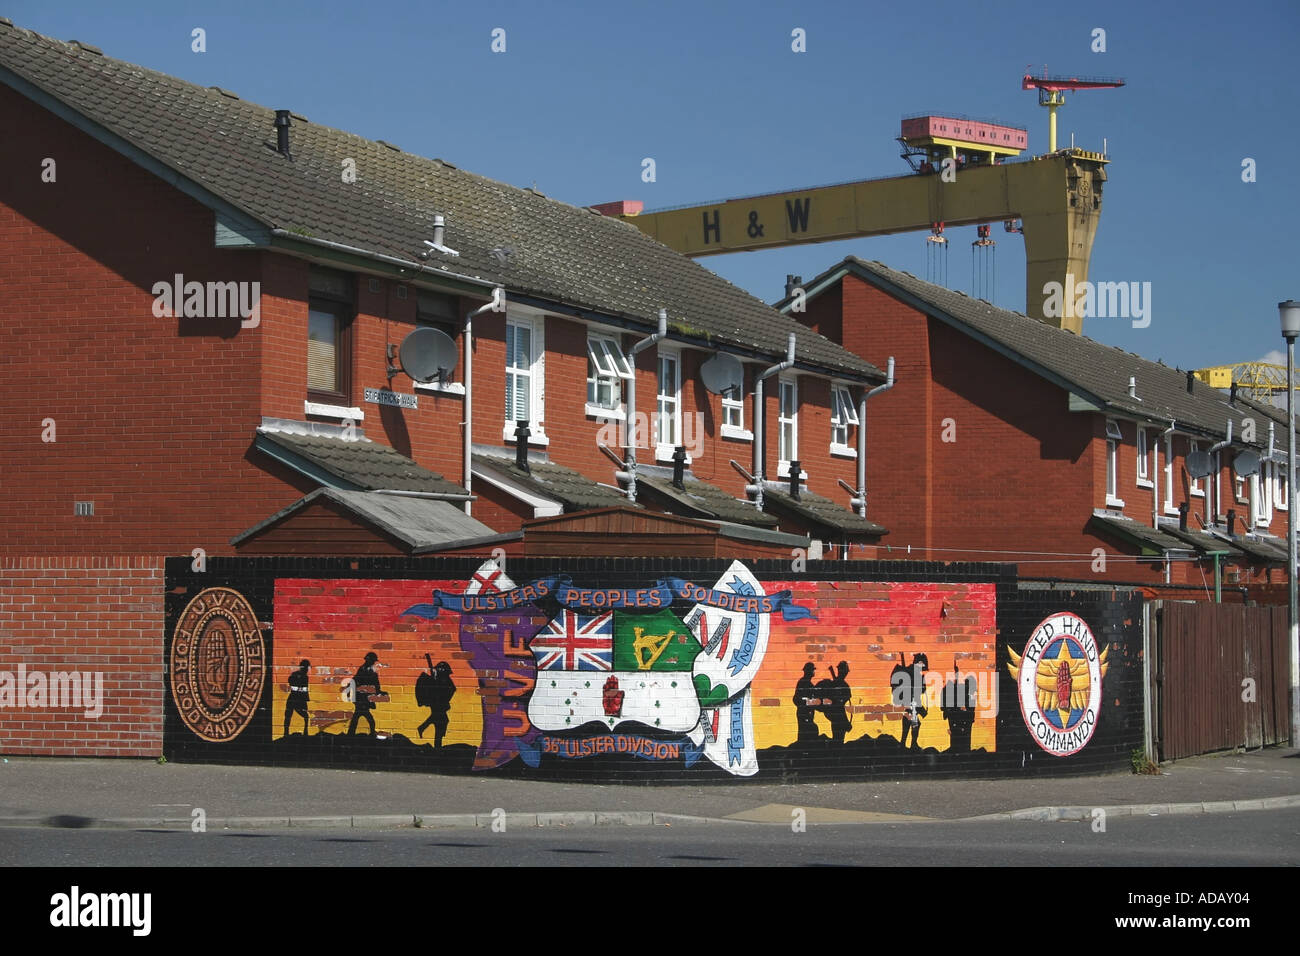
[713, 673]
[721, 675]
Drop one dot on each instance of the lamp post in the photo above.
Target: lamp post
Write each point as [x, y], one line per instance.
[1289, 313]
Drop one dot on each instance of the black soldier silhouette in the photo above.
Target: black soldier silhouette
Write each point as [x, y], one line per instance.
[907, 687]
[297, 702]
[434, 689]
[807, 701]
[958, 706]
[364, 684]
[836, 693]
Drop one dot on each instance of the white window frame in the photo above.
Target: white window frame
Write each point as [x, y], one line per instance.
[664, 449]
[605, 354]
[1261, 497]
[783, 460]
[1113, 438]
[1169, 476]
[1194, 487]
[1280, 488]
[1143, 459]
[737, 405]
[842, 400]
[536, 326]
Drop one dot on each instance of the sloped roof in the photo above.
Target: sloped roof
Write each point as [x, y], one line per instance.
[416, 522]
[699, 499]
[575, 491]
[1148, 539]
[359, 464]
[815, 510]
[514, 237]
[1096, 372]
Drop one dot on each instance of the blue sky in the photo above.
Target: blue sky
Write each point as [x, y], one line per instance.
[713, 92]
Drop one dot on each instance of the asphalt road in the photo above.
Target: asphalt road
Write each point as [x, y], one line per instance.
[1258, 838]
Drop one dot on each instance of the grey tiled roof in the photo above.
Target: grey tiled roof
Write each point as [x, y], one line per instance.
[1203, 540]
[575, 491]
[416, 522]
[818, 511]
[703, 500]
[1137, 533]
[363, 464]
[516, 237]
[1087, 367]
[1262, 548]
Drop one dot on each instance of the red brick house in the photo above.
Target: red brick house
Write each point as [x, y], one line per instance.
[1007, 439]
[206, 304]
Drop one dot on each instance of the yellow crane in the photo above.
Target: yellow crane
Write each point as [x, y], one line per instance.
[1257, 380]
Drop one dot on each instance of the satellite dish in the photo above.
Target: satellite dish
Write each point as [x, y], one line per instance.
[427, 354]
[1199, 464]
[723, 375]
[1246, 464]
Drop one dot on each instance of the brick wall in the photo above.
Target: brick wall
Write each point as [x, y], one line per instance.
[513, 717]
[101, 618]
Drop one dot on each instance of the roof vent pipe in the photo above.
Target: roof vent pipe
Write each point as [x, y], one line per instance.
[792, 282]
[522, 431]
[1191, 377]
[760, 418]
[679, 467]
[439, 229]
[282, 133]
[631, 429]
[796, 468]
[1132, 386]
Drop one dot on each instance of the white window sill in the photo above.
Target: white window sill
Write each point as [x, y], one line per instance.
[1196, 494]
[608, 414]
[739, 434]
[1172, 512]
[783, 471]
[1144, 483]
[664, 453]
[333, 411]
[451, 388]
[538, 437]
[844, 451]
[1114, 502]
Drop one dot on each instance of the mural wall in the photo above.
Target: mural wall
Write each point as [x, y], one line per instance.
[716, 671]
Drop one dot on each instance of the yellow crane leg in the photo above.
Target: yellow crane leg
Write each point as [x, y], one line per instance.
[1058, 199]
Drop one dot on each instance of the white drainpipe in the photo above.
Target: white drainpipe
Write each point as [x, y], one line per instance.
[630, 430]
[860, 502]
[498, 303]
[1214, 450]
[760, 420]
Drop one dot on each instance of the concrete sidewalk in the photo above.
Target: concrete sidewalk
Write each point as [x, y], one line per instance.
[37, 791]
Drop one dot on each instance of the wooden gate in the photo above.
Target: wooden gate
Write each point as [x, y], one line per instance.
[1211, 660]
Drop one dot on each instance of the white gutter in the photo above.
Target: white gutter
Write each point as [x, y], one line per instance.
[760, 419]
[630, 430]
[498, 304]
[859, 501]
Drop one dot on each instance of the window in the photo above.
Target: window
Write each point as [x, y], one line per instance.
[1144, 459]
[329, 336]
[1196, 488]
[1261, 494]
[668, 420]
[1113, 436]
[733, 418]
[524, 376]
[438, 311]
[1280, 487]
[843, 416]
[788, 424]
[606, 367]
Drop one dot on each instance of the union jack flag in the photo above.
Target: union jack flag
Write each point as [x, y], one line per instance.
[571, 642]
